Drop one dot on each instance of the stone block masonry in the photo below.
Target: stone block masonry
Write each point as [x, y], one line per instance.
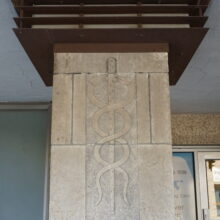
[111, 154]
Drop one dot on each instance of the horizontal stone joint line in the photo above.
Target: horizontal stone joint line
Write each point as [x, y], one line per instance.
[92, 144]
[90, 73]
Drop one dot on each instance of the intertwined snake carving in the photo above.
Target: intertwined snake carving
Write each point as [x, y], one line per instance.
[117, 136]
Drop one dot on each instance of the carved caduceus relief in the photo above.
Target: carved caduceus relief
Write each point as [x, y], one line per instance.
[111, 107]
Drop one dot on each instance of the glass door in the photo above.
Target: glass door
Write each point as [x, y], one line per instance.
[184, 186]
[209, 173]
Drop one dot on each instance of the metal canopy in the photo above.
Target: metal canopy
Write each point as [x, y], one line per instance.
[125, 25]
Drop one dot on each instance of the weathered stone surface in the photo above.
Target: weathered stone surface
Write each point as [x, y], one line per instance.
[143, 109]
[112, 182]
[67, 183]
[62, 110]
[79, 109]
[133, 190]
[156, 182]
[96, 62]
[112, 170]
[111, 107]
[160, 108]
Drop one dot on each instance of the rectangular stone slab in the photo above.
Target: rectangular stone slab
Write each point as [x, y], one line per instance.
[115, 162]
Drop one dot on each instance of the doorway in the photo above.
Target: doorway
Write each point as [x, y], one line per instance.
[209, 171]
[197, 178]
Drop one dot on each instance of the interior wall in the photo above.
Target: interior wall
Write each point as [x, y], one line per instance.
[196, 129]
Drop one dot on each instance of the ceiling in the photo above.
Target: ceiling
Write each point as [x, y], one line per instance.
[197, 91]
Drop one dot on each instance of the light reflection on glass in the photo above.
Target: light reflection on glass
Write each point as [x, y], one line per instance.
[213, 179]
[184, 186]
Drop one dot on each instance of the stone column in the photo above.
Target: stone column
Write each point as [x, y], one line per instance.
[111, 156]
